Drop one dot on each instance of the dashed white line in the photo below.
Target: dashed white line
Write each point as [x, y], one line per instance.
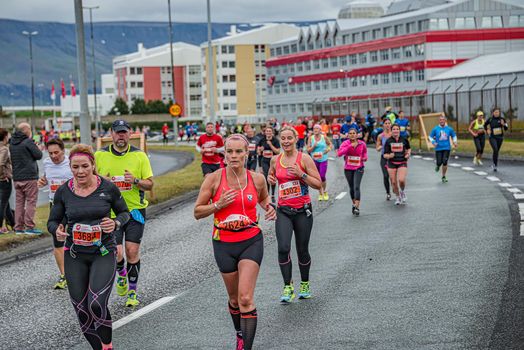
[417, 157]
[331, 158]
[481, 173]
[467, 168]
[427, 158]
[341, 195]
[518, 196]
[455, 165]
[514, 190]
[155, 305]
[504, 184]
[493, 178]
[521, 209]
[522, 228]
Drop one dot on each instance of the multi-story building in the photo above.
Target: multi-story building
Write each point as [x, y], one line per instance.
[146, 74]
[361, 9]
[332, 68]
[240, 72]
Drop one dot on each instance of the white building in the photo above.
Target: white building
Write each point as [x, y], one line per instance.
[361, 9]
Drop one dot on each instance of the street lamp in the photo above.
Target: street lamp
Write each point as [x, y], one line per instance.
[210, 67]
[91, 8]
[30, 36]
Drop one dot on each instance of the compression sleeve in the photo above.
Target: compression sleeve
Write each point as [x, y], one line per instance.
[432, 135]
[57, 214]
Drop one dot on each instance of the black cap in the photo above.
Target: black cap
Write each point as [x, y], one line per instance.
[120, 125]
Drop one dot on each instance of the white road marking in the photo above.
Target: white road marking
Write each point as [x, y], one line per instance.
[522, 228]
[493, 178]
[146, 309]
[467, 168]
[341, 195]
[455, 165]
[417, 157]
[521, 209]
[427, 158]
[518, 196]
[514, 190]
[331, 158]
[46, 190]
[504, 184]
[481, 173]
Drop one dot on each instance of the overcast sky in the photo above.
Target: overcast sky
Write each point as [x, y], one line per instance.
[182, 10]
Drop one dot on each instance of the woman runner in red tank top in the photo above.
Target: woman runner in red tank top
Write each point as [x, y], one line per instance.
[295, 172]
[231, 195]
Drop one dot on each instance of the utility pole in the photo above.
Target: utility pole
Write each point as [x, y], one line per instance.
[85, 123]
[30, 36]
[95, 115]
[210, 68]
[175, 121]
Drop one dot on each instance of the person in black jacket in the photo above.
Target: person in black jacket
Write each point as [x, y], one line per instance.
[495, 127]
[24, 156]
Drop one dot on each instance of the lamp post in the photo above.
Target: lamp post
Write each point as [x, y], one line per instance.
[175, 122]
[210, 67]
[30, 36]
[95, 115]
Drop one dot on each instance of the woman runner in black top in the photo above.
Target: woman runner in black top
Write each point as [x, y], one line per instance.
[495, 127]
[86, 202]
[397, 152]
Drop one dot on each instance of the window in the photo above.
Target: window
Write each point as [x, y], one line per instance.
[374, 80]
[284, 89]
[301, 87]
[388, 32]
[225, 106]
[396, 77]
[232, 78]
[132, 70]
[423, 25]
[139, 70]
[325, 63]
[516, 21]
[300, 107]
[317, 85]
[398, 29]
[385, 78]
[225, 78]
[465, 23]
[292, 88]
[343, 61]
[419, 49]
[308, 86]
[272, 53]
[139, 84]
[373, 56]
[376, 34]
[279, 51]
[300, 67]
[232, 92]
[408, 76]
[354, 82]
[355, 37]
[293, 108]
[294, 48]
[231, 64]
[438, 24]
[225, 92]
[384, 55]
[277, 109]
[365, 35]
[270, 90]
[285, 51]
[230, 49]
[334, 62]
[307, 66]
[291, 68]
[233, 106]
[328, 42]
[363, 58]
[343, 83]
[491, 22]
[395, 53]
[334, 84]
[420, 74]
[277, 90]
[316, 64]
[224, 49]
[408, 51]
[133, 84]
[345, 39]
[364, 80]
[410, 27]
[284, 69]
[224, 64]
[325, 84]
[353, 59]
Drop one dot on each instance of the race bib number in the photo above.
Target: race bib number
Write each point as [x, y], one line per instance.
[336, 136]
[121, 183]
[353, 161]
[54, 184]
[497, 131]
[86, 235]
[267, 154]
[234, 222]
[318, 155]
[397, 147]
[252, 147]
[402, 128]
[208, 152]
[290, 189]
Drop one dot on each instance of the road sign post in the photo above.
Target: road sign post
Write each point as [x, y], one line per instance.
[175, 110]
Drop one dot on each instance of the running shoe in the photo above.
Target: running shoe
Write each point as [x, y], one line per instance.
[240, 343]
[479, 161]
[353, 209]
[62, 283]
[33, 231]
[403, 197]
[4, 230]
[444, 180]
[388, 196]
[121, 285]
[475, 162]
[288, 294]
[131, 299]
[437, 168]
[357, 212]
[326, 196]
[398, 201]
[320, 197]
[494, 168]
[304, 291]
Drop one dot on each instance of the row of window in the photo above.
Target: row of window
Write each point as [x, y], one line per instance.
[355, 59]
[228, 49]
[229, 92]
[373, 80]
[135, 70]
[291, 108]
[136, 84]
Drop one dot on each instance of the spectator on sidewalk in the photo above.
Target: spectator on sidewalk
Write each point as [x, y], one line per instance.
[6, 175]
[24, 156]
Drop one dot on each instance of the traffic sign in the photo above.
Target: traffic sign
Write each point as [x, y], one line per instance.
[175, 110]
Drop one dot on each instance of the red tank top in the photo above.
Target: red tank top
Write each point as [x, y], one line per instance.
[238, 221]
[292, 191]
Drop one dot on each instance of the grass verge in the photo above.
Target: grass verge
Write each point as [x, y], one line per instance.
[167, 186]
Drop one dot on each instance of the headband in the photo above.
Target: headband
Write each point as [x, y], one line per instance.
[238, 137]
[88, 155]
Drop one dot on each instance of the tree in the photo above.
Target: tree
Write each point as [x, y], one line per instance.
[449, 112]
[120, 107]
[157, 106]
[139, 106]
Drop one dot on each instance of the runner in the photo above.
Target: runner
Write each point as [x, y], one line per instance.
[495, 127]
[210, 145]
[405, 127]
[349, 124]
[267, 148]
[397, 151]
[335, 132]
[318, 147]
[129, 169]
[370, 125]
[231, 195]
[439, 137]
[355, 154]
[295, 172]
[381, 142]
[252, 148]
[85, 203]
[476, 129]
[56, 172]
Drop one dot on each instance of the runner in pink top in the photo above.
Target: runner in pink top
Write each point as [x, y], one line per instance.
[355, 154]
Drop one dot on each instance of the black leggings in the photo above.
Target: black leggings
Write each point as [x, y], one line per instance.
[301, 224]
[90, 279]
[496, 144]
[354, 177]
[385, 174]
[265, 169]
[6, 187]
[480, 142]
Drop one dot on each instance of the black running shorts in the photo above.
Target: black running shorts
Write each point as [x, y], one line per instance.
[229, 254]
[209, 168]
[132, 231]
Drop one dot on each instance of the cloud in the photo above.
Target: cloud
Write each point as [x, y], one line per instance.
[182, 10]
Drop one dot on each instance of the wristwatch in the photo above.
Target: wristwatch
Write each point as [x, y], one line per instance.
[136, 181]
[304, 176]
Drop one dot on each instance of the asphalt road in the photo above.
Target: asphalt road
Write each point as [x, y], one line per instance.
[438, 273]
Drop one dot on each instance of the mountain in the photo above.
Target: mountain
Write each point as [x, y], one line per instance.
[54, 51]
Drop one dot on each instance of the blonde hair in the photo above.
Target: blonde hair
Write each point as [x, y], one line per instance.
[83, 150]
[289, 128]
